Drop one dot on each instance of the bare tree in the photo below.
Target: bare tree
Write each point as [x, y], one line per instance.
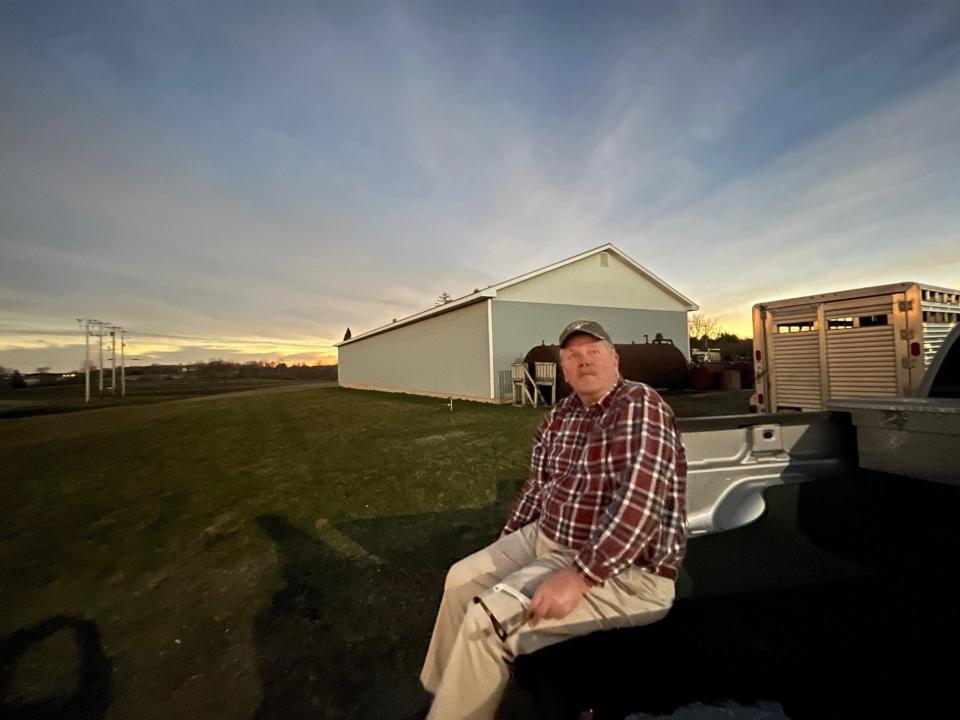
[443, 299]
[703, 327]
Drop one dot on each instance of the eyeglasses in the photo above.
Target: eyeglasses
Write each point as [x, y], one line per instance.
[497, 627]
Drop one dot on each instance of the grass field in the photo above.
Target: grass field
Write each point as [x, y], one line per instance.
[269, 555]
[141, 389]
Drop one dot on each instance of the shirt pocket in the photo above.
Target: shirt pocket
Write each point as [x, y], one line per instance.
[597, 480]
[618, 457]
[564, 457]
[555, 461]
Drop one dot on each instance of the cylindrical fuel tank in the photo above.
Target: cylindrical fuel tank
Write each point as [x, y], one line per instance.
[701, 377]
[659, 365]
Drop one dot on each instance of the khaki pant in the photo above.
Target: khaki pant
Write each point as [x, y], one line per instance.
[467, 665]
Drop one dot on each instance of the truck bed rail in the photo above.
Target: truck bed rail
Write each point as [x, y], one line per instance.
[733, 460]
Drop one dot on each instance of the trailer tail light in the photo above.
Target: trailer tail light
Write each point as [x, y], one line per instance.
[759, 398]
[915, 349]
[757, 355]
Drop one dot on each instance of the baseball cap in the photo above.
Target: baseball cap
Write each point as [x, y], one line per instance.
[586, 327]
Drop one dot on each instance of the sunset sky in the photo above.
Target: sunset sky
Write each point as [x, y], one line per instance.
[245, 180]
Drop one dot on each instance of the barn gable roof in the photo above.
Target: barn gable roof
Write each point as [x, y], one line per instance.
[492, 290]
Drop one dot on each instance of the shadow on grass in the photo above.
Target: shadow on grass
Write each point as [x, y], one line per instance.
[784, 610]
[345, 636]
[94, 685]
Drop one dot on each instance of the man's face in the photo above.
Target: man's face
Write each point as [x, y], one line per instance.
[590, 366]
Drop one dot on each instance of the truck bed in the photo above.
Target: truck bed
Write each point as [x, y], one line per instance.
[820, 572]
[823, 606]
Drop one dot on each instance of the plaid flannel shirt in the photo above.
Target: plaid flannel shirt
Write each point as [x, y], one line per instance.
[609, 481]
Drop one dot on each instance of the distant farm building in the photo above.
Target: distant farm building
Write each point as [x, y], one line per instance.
[464, 348]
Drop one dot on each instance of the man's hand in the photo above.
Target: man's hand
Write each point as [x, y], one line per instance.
[557, 595]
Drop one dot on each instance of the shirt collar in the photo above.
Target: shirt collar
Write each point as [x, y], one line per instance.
[604, 403]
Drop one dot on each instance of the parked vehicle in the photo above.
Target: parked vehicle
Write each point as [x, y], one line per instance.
[869, 342]
[820, 573]
[733, 460]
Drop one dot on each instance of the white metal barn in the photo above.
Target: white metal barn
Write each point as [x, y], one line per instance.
[464, 348]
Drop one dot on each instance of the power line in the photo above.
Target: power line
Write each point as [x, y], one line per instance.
[86, 327]
[91, 327]
[86, 324]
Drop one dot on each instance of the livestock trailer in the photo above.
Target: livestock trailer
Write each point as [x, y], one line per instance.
[868, 342]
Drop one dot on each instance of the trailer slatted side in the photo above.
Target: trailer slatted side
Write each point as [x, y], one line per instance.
[797, 370]
[862, 362]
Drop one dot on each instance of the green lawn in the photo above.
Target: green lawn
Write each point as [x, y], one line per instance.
[270, 555]
[279, 554]
[141, 389]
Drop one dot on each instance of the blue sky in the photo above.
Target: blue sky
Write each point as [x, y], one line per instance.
[246, 180]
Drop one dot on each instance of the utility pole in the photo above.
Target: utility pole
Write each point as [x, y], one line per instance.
[100, 334]
[123, 371]
[85, 324]
[113, 360]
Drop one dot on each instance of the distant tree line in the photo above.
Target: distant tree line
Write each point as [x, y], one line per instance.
[215, 369]
[12, 378]
[252, 369]
[731, 346]
[706, 332]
